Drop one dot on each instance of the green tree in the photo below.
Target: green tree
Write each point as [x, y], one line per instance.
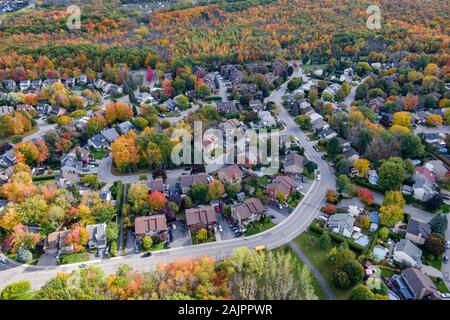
[202, 235]
[304, 121]
[199, 193]
[391, 174]
[342, 184]
[233, 189]
[390, 215]
[16, 291]
[333, 147]
[182, 102]
[435, 244]
[354, 271]
[362, 292]
[383, 233]
[361, 91]
[112, 231]
[439, 223]
[325, 241]
[147, 243]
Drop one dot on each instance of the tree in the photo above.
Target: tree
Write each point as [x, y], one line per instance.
[26, 152]
[434, 120]
[202, 235]
[215, 190]
[187, 202]
[362, 292]
[341, 279]
[363, 167]
[394, 198]
[233, 189]
[310, 166]
[390, 215]
[411, 146]
[325, 241]
[24, 255]
[112, 231]
[118, 111]
[383, 233]
[329, 208]
[147, 243]
[435, 244]
[361, 91]
[434, 203]
[354, 271]
[156, 200]
[365, 195]
[22, 238]
[16, 291]
[94, 125]
[342, 184]
[295, 83]
[78, 237]
[182, 102]
[91, 180]
[332, 196]
[439, 224]
[391, 174]
[402, 119]
[304, 121]
[333, 147]
[125, 152]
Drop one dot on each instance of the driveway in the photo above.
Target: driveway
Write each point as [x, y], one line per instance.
[180, 236]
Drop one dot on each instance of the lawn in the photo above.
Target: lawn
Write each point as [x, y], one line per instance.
[258, 227]
[440, 285]
[157, 246]
[432, 260]
[313, 67]
[211, 237]
[73, 258]
[99, 154]
[315, 283]
[387, 272]
[309, 244]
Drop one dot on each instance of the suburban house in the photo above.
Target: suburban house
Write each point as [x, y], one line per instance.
[153, 226]
[144, 97]
[424, 181]
[327, 134]
[230, 124]
[187, 181]
[4, 110]
[82, 80]
[405, 252]
[125, 127]
[80, 153]
[437, 167]
[250, 210]
[55, 243]
[110, 135]
[97, 236]
[256, 105]
[66, 180]
[10, 85]
[417, 231]
[293, 164]
[230, 174]
[226, 107]
[341, 223]
[266, 119]
[25, 85]
[319, 125]
[8, 159]
[281, 184]
[415, 285]
[197, 218]
[351, 154]
[376, 104]
[98, 142]
[157, 185]
[72, 165]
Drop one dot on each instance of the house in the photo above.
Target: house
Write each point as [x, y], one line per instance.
[437, 167]
[226, 107]
[55, 243]
[58, 111]
[10, 85]
[97, 236]
[99, 84]
[125, 127]
[110, 135]
[43, 109]
[36, 85]
[417, 231]
[266, 118]
[170, 105]
[114, 90]
[327, 134]
[293, 164]
[25, 85]
[197, 218]
[279, 67]
[230, 124]
[67, 180]
[82, 80]
[80, 153]
[50, 82]
[230, 174]
[376, 104]
[415, 285]
[405, 252]
[433, 138]
[98, 142]
[72, 165]
[341, 223]
[424, 181]
[319, 125]
[256, 105]
[154, 226]
[144, 97]
[25, 107]
[250, 210]
[4, 110]
[281, 184]
[156, 185]
[187, 181]
[406, 190]
[373, 177]
[8, 159]
[351, 154]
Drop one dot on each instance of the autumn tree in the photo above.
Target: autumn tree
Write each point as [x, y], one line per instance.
[434, 120]
[77, 237]
[215, 190]
[125, 152]
[390, 215]
[363, 167]
[156, 200]
[118, 111]
[26, 152]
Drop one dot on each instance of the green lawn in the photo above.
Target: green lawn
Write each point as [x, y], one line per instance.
[73, 258]
[309, 243]
[440, 285]
[313, 67]
[258, 227]
[315, 283]
[432, 260]
[99, 154]
[387, 272]
[158, 246]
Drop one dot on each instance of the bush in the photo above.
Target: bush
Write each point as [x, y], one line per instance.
[340, 279]
[24, 255]
[325, 241]
[45, 177]
[113, 249]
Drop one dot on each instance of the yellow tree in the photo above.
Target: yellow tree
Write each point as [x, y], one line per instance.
[434, 120]
[402, 118]
[125, 152]
[363, 167]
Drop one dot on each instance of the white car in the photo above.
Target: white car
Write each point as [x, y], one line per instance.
[220, 228]
[447, 244]
[318, 177]
[298, 188]
[3, 260]
[280, 207]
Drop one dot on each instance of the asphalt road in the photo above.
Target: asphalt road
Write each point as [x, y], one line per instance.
[287, 230]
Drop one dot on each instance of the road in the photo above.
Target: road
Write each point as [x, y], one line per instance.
[287, 230]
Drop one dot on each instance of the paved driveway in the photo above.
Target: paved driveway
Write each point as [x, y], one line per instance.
[180, 236]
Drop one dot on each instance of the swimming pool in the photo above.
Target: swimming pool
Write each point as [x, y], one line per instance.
[380, 252]
[363, 240]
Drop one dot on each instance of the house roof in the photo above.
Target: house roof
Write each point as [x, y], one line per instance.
[157, 185]
[97, 234]
[284, 184]
[342, 221]
[110, 134]
[231, 172]
[206, 215]
[420, 284]
[249, 207]
[427, 174]
[292, 161]
[417, 227]
[188, 180]
[406, 246]
[153, 223]
[125, 127]
[226, 107]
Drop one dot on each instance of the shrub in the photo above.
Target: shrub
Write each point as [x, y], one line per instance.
[329, 209]
[340, 279]
[24, 255]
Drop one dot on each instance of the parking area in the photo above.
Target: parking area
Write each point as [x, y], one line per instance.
[226, 233]
[180, 235]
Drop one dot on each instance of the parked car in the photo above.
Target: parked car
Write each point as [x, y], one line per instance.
[299, 188]
[280, 206]
[146, 254]
[445, 295]
[83, 265]
[220, 228]
[3, 260]
[318, 177]
[445, 260]
[272, 216]
[447, 244]
[136, 249]
[167, 245]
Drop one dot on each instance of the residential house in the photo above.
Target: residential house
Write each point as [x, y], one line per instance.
[170, 105]
[231, 124]
[99, 84]
[125, 127]
[114, 90]
[10, 85]
[57, 111]
[8, 159]
[36, 85]
[319, 125]
[351, 154]
[98, 142]
[256, 105]
[376, 104]
[25, 85]
[70, 82]
[279, 67]
[437, 167]
[157, 185]
[281, 184]
[293, 164]
[154, 226]
[226, 107]
[97, 236]
[55, 243]
[405, 252]
[43, 109]
[417, 231]
[82, 80]
[72, 165]
[424, 181]
[80, 153]
[187, 181]
[344, 144]
[230, 174]
[67, 180]
[25, 107]
[4, 110]
[198, 218]
[415, 285]
[433, 138]
[341, 223]
[266, 118]
[144, 97]
[50, 82]
[250, 210]
[327, 134]
[110, 135]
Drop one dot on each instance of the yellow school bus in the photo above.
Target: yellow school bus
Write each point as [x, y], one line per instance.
[260, 248]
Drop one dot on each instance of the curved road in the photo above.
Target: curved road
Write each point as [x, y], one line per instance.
[287, 230]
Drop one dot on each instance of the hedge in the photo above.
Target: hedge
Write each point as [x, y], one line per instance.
[336, 237]
[369, 186]
[45, 177]
[213, 98]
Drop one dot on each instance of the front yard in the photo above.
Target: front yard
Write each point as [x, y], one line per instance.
[256, 227]
[198, 238]
[309, 244]
[73, 258]
[99, 154]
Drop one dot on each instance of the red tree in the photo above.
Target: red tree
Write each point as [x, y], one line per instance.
[156, 200]
[365, 195]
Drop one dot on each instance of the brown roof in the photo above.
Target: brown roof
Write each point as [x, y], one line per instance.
[157, 185]
[249, 207]
[56, 240]
[189, 180]
[420, 284]
[293, 159]
[154, 223]
[206, 215]
[283, 184]
[232, 172]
